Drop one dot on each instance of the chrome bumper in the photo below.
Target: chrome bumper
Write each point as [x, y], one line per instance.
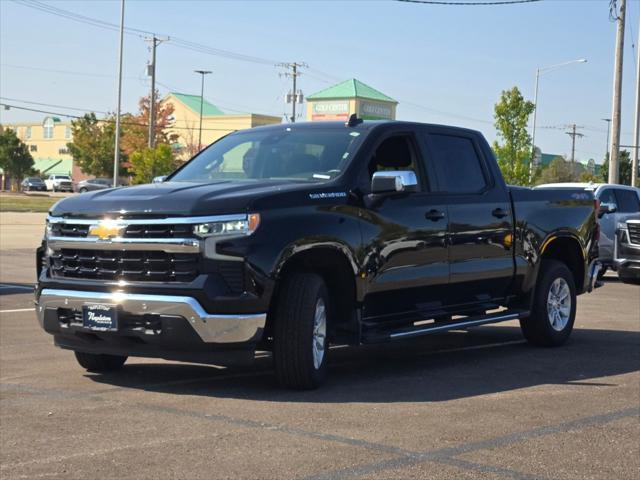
[211, 328]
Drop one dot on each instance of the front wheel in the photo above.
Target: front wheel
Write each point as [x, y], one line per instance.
[300, 343]
[554, 306]
[100, 363]
[83, 190]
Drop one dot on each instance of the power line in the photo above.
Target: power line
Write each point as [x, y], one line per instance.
[106, 120]
[51, 105]
[474, 4]
[175, 41]
[64, 72]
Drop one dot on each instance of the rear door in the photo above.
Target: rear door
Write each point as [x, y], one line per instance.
[480, 217]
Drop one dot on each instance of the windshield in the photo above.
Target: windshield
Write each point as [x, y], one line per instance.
[307, 154]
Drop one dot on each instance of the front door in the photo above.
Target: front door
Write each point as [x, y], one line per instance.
[405, 251]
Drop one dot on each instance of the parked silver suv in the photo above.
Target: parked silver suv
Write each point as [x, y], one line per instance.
[617, 204]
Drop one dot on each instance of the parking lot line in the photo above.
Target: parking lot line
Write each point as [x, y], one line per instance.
[15, 310]
[16, 287]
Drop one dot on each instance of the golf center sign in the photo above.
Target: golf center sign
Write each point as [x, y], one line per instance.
[340, 110]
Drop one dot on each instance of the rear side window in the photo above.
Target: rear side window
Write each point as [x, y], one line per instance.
[628, 201]
[458, 164]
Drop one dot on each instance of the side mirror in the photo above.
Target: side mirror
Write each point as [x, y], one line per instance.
[159, 179]
[606, 208]
[394, 181]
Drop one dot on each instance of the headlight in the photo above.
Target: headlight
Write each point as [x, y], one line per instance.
[621, 226]
[245, 226]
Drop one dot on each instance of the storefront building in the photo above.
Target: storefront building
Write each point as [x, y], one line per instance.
[348, 97]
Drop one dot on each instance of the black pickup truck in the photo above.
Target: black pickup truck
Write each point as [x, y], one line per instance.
[289, 238]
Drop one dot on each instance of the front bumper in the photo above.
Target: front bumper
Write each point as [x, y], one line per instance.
[210, 328]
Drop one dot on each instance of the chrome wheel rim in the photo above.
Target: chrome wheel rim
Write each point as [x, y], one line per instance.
[559, 304]
[319, 333]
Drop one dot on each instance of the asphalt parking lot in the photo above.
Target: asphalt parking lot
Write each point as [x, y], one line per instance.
[476, 404]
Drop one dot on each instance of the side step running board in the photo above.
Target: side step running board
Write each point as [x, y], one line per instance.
[416, 331]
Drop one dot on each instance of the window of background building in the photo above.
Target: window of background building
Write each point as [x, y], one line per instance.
[67, 132]
[63, 151]
[27, 133]
[33, 148]
[47, 128]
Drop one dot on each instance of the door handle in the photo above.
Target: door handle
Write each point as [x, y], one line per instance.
[499, 213]
[434, 215]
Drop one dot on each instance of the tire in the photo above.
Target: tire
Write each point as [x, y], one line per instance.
[83, 190]
[602, 273]
[538, 329]
[54, 189]
[100, 363]
[300, 345]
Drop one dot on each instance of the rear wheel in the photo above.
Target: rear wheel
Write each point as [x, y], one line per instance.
[100, 363]
[554, 306]
[300, 343]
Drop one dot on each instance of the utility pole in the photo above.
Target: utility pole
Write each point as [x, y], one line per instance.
[295, 96]
[202, 73]
[116, 155]
[151, 71]
[614, 151]
[573, 134]
[636, 133]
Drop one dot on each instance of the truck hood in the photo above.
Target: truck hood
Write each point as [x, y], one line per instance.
[173, 199]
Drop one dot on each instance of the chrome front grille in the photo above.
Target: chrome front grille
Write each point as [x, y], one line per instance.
[634, 232]
[138, 249]
[81, 230]
[156, 266]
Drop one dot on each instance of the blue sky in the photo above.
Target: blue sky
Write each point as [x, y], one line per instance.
[443, 64]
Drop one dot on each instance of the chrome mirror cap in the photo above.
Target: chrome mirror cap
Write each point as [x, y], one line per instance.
[394, 181]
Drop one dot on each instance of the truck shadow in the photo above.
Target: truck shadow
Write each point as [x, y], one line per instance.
[449, 366]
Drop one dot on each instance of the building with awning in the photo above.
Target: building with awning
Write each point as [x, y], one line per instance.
[351, 96]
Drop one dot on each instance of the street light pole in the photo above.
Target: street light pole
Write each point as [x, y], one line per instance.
[202, 73]
[533, 133]
[608, 120]
[535, 106]
[116, 155]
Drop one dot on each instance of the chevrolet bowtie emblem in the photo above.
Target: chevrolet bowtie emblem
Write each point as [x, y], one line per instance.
[106, 231]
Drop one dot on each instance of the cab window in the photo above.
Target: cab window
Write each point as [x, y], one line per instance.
[608, 199]
[395, 153]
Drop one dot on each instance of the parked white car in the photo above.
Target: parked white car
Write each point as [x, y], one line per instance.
[59, 183]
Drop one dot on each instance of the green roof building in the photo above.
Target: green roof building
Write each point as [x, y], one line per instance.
[351, 96]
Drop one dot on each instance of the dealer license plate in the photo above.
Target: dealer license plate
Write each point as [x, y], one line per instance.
[100, 317]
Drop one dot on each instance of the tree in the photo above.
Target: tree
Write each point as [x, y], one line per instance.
[15, 159]
[511, 114]
[558, 171]
[150, 163]
[93, 145]
[135, 128]
[624, 163]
